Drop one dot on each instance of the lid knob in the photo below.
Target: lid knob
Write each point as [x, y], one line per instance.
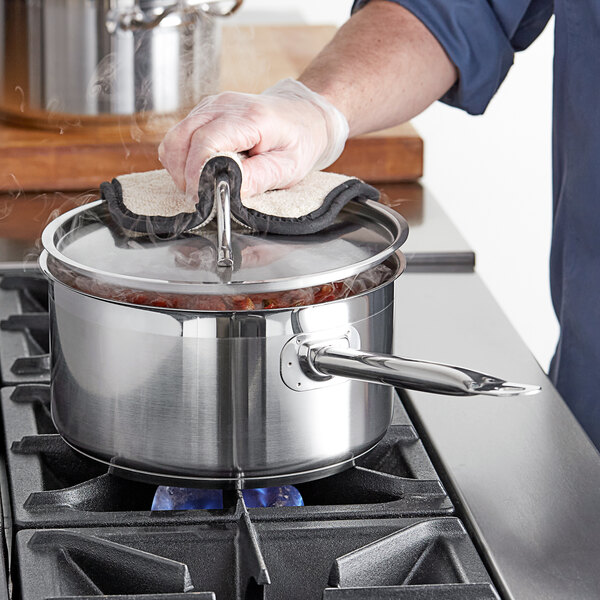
[224, 252]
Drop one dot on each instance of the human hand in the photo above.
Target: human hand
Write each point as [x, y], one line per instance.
[286, 132]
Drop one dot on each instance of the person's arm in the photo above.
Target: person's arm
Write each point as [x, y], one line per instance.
[382, 68]
[390, 61]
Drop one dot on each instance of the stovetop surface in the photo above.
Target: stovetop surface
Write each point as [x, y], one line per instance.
[382, 529]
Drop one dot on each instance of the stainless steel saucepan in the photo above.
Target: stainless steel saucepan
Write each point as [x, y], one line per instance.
[246, 395]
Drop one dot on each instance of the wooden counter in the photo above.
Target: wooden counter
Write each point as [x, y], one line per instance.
[73, 156]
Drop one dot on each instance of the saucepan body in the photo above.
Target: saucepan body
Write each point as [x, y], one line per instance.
[200, 397]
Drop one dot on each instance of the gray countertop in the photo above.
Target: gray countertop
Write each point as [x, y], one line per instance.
[433, 239]
[522, 468]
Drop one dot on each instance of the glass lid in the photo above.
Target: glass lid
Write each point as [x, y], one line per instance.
[87, 241]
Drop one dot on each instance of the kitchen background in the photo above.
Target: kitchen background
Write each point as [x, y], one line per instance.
[451, 484]
[491, 173]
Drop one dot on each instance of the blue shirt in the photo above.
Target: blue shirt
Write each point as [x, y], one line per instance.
[481, 37]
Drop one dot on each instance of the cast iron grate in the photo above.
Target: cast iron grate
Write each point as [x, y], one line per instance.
[4, 583]
[54, 486]
[24, 339]
[242, 560]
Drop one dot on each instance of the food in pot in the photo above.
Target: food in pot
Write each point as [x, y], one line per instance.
[328, 292]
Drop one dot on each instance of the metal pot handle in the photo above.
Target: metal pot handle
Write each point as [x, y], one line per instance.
[206, 6]
[223, 200]
[325, 361]
[134, 18]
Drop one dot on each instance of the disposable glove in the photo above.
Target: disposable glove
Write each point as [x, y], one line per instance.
[286, 132]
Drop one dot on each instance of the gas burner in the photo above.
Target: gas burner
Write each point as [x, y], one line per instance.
[178, 498]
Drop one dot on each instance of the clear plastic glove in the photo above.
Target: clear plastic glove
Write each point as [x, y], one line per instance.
[286, 132]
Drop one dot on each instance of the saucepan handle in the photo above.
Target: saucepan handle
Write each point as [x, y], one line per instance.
[223, 200]
[135, 18]
[132, 17]
[221, 8]
[407, 373]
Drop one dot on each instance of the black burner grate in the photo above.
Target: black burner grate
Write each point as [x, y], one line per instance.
[4, 588]
[24, 340]
[54, 486]
[243, 560]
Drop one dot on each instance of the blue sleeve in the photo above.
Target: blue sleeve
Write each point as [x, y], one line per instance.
[480, 37]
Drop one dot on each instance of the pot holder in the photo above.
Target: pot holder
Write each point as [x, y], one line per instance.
[150, 203]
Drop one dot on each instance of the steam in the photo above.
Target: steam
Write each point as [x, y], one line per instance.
[135, 84]
[5, 209]
[17, 186]
[21, 93]
[34, 211]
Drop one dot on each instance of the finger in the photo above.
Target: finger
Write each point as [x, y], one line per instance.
[173, 150]
[223, 134]
[175, 147]
[268, 171]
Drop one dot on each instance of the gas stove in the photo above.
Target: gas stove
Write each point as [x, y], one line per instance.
[386, 528]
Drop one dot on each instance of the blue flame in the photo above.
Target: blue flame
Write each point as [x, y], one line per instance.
[286, 495]
[176, 498]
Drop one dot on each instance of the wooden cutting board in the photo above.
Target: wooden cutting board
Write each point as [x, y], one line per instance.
[80, 156]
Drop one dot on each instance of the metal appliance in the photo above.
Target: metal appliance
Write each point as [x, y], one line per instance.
[69, 61]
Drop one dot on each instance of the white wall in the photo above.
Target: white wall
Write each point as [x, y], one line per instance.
[491, 173]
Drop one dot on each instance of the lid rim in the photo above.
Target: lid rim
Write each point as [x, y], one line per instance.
[400, 269]
[50, 232]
